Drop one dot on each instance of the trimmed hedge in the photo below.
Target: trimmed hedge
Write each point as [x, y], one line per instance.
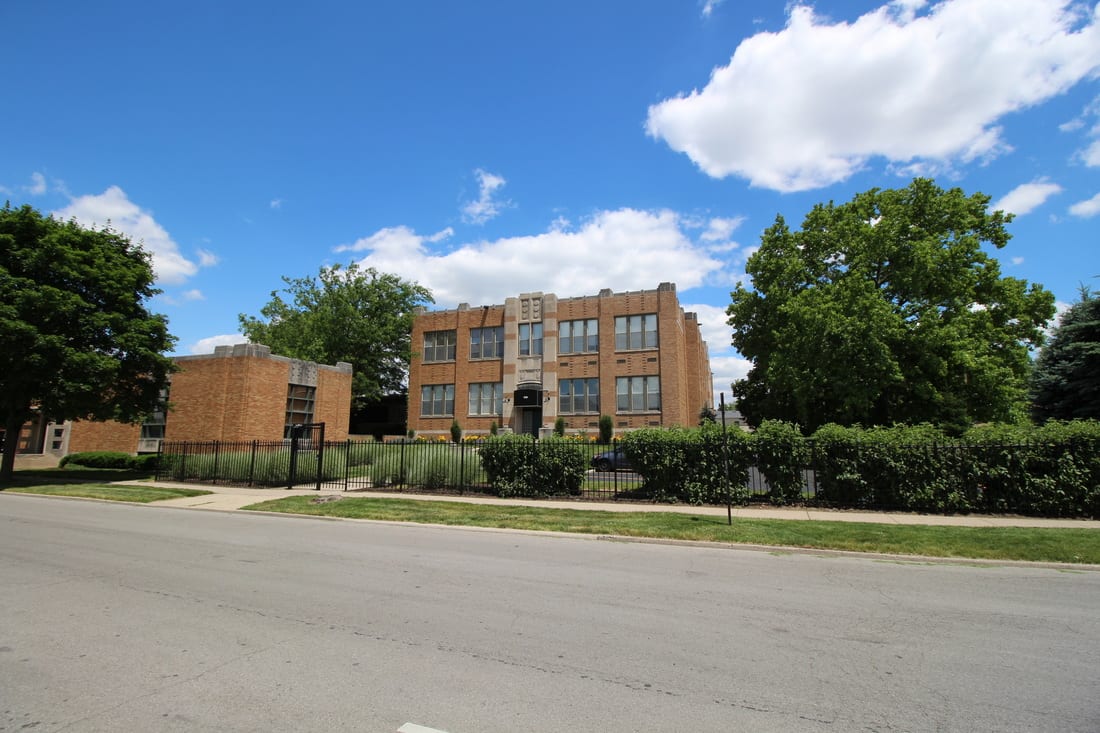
[111, 459]
[515, 466]
[694, 466]
[1053, 470]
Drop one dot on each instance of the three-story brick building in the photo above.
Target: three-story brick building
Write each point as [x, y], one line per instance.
[636, 356]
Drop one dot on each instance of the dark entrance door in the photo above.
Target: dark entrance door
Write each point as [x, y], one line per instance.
[530, 420]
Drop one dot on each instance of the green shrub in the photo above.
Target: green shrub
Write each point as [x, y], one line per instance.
[516, 465]
[607, 429]
[99, 459]
[559, 427]
[144, 462]
[694, 466]
[782, 455]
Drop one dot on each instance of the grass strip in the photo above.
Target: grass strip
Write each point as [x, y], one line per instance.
[111, 492]
[992, 543]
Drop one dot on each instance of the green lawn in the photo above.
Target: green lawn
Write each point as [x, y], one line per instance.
[91, 483]
[994, 543]
[112, 492]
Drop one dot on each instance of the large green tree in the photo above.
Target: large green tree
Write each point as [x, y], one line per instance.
[352, 314]
[76, 337]
[887, 309]
[1066, 382]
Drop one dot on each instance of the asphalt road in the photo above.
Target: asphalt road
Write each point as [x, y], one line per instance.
[132, 618]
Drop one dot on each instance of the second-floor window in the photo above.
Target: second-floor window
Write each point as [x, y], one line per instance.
[530, 339]
[439, 346]
[487, 343]
[577, 337]
[636, 332]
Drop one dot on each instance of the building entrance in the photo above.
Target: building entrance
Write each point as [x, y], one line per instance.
[530, 420]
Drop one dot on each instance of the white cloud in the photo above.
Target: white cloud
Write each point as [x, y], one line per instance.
[1026, 197]
[112, 206]
[1091, 154]
[625, 249]
[439, 236]
[38, 184]
[726, 370]
[709, 6]
[1017, 261]
[812, 104]
[1087, 208]
[276, 203]
[720, 229]
[206, 345]
[713, 325]
[185, 296]
[486, 207]
[207, 258]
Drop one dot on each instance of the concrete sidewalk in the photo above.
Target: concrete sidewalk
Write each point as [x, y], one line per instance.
[232, 498]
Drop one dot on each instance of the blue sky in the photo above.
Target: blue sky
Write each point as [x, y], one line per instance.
[485, 149]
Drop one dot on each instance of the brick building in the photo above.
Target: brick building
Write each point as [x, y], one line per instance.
[238, 393]
[636, 356]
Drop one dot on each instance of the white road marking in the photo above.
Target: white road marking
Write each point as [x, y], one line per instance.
[414, 728]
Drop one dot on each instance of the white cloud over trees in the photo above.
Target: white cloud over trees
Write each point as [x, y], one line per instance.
[115, 208]
[813, 103]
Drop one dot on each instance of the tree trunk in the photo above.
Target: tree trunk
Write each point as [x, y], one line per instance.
[13, 426]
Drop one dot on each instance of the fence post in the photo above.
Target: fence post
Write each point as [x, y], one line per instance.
[214, 477]
[293, 468]
[401, 474]
[252, 464]
[347, 463]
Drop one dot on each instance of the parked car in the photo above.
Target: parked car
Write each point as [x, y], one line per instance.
[612, 460]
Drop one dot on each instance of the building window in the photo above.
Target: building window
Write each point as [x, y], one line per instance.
[577, 337]
[636, 332]
[154, 425]
[578, 395]
[637, 394]
[487, 343]
[530, 339]
[487, 398]
[439, 346]
[299, 406]
[437, 400]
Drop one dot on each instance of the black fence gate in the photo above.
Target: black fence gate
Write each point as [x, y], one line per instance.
[307, 453]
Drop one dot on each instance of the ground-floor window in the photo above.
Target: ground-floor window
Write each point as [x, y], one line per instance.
[578, 396]
[637, 394]
[437, 400]
[487, 398]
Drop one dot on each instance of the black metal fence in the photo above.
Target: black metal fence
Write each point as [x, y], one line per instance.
[407, 466]
[1041, 479]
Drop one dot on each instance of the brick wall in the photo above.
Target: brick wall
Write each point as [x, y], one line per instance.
[680, 361]
[239, 393]
[85, 435]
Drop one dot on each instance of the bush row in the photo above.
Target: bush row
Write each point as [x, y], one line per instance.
[1052, 470]
[110, 459]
